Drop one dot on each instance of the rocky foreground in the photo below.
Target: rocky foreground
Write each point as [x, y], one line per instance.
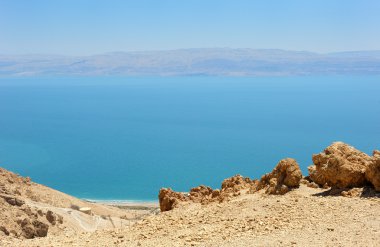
[337, 204]
[29, 210]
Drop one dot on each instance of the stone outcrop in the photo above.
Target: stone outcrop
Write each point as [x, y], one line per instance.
[169, 199]
[231, 187]
[372, 173]
[19, 218]
[51, 217]
[14, 201]
[285, 176]
[234, 185]
[201, 194]
[32, 229]
[341, 166]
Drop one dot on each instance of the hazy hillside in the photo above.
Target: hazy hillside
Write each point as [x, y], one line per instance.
[220, 61]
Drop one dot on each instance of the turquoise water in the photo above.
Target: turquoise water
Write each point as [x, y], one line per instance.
[124, 138]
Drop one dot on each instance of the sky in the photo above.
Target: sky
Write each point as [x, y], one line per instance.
[85, 27]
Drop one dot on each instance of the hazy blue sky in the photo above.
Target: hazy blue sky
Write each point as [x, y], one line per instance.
[96, 26]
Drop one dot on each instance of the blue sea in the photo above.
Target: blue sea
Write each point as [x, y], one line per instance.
[116, 138]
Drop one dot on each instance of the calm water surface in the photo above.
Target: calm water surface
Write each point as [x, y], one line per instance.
[124, 138]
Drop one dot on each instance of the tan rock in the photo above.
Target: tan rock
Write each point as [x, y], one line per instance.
[237, 183]
[201, 194]
[340, 165]
[169, 199]
[316, 177]
[285, 175]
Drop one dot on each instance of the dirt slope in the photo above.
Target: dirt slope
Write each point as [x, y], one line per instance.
[302, 217]
[30, 210]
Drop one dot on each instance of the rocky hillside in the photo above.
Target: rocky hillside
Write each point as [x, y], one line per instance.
[336, 204]
[29, 210]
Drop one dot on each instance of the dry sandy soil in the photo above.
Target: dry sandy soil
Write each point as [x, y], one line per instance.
[302, 217]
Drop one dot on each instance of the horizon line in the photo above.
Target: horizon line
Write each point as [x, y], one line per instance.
[183, 49]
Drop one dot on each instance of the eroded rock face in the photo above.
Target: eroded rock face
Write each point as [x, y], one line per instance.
[373, 170]
[14, 201]
[201, 194]
[285, 176]
[32, 229]
[341, 166]
[232, 186]
[238, 183]
[169, 199]
[51, 217]
[315, 176]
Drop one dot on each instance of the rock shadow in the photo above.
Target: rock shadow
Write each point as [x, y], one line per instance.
[364, 192]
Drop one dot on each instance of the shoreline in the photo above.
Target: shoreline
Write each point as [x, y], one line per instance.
[127, 204]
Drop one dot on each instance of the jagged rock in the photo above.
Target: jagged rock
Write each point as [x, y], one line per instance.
[285, 175]
[41, 229]
[215, 193]
[13, 200]
[50, 216]
[201, 194]
[33, 229]
[168, 199]
[341, 166]
[373, 170]
[237, 183]
[315, 176]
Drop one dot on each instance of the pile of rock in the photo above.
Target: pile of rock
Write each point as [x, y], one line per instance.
[338, 166]
[231, 187]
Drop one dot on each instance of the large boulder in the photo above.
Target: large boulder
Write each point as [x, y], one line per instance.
[285, 176]
[341, 166]
[373, 170]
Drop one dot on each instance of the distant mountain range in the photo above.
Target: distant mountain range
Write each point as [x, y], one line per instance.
[193, 62]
